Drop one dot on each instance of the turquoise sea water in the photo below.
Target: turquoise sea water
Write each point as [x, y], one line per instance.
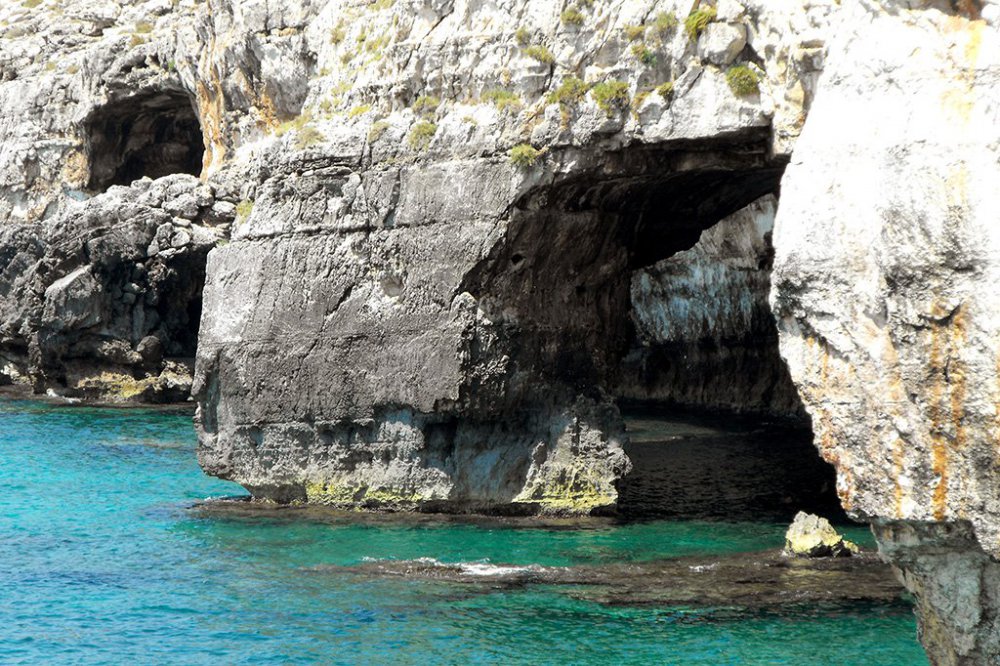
[102, 561]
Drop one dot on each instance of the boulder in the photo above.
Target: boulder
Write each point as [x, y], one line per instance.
[813, 536]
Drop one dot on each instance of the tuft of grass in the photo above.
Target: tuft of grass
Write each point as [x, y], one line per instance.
[377, 130]
[611, 96]
[644, 54]
[504, 100]
[698, 20]
[664, 23]
[338, 33]
[572, 16]
[570, 92]
[522, 36]
[243, 210]
[31, 4]
[524, 155]
[743, 81]
[426, 105]
[143, 28]
[421, 135]
[634, 32]
[540, 53]
[359, 110]
[296, 123]
[666, 90]
[136, 40]
[308, 136]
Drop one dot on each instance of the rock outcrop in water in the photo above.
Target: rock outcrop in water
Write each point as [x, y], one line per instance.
[449, 222]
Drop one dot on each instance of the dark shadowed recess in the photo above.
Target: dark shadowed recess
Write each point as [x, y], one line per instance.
[152, 134]
[564, 272]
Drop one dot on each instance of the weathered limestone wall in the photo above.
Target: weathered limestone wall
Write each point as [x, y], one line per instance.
[405, 317]
[886, 293]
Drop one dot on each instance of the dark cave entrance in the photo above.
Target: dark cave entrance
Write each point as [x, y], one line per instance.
[153, 134]
[715, 425]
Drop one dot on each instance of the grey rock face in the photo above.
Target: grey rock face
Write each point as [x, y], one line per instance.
[406, 319]
[93, 303]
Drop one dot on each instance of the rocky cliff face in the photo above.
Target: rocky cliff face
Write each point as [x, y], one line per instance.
[885, 292]
[444, 236]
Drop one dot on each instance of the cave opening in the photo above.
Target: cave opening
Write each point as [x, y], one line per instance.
[644, 283]
[153, 134]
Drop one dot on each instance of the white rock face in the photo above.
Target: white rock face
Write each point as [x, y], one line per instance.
[886, 284]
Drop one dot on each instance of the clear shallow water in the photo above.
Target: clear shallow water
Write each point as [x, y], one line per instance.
[102, 561]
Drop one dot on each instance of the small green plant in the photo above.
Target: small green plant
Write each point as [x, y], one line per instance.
[296, 123]
[143, 28]
[634, 32]
[611, 96]
[572, 16]
[171, 66]
[308, 136]
[522, 36]
[421, 135]
[338, 33]
[666, 90]
[644, 54]
[524, 155]
[359, 110]
[698, 20]
[540, 53]
[570, 92]
[377, 130]
[426, 105]
[383, 4]
[743, 81]
[31, 4]
[504, 100]
[664, 23]
[243, 210]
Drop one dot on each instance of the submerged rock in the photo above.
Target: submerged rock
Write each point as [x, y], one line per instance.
[813, 536]
[741, 582]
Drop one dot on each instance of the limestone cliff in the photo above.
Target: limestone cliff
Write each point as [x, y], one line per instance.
[885, 291]
[431, 242]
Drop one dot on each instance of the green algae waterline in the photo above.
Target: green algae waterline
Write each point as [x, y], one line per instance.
[103, 561]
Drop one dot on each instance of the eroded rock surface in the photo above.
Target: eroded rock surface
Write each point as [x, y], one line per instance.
[408, 317]
[885, 290]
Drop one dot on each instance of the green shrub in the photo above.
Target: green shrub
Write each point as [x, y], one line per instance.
[338, 33]
[426, 105]
[377, 130]
[540, 53]
[524, 155]
[698, 20]
[502, 99]
[743, 81]
[421, 135]
[523, 36]
[308, 136]
[664, 23]
[666, 90]
[634, 32]
[243, 210]
[31, 4]
[359, 110]
[143, 28]
[571, 91]
[572, 16]
[611, 96]
[645, 54]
